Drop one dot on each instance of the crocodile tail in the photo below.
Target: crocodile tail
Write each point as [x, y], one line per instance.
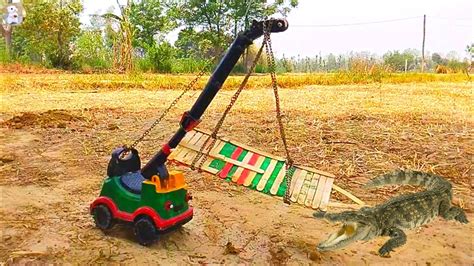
[408, 177]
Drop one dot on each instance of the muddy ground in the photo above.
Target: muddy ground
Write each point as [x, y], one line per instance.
[55, 147]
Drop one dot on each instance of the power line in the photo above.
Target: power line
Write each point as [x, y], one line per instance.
[357, 23]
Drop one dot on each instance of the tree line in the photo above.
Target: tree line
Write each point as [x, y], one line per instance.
[409, 60]
[134, 38]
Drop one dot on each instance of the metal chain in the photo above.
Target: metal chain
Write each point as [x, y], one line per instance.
[213, 136]
[271, 63]
[175, 101]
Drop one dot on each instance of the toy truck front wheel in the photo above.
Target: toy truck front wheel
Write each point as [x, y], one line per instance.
[145, 230]
[103, 217]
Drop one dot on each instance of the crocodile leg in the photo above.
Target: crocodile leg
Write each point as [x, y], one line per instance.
[397, 238]
[449, 212]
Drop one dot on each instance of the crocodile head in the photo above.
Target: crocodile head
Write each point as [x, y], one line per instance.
[354, 226]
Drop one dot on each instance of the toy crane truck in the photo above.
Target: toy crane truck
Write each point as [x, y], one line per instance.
[152, 198]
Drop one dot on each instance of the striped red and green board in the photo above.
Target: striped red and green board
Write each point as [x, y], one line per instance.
[257, 170]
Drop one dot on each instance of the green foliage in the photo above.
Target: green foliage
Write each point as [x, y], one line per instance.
[285, 65]
[261, 68]
[199, 45]
[362, 70]
[45, 36]
[438, 60]
[4, 57]
[149, 19]
[122, 40]
[445, 65]
[91, 52]
[158, 58]
[456, 66]
[190, 65]
[51, 36]
[397, 60]
[470, 49]
[219, 22]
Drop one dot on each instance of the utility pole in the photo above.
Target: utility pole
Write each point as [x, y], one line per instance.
[423, 46]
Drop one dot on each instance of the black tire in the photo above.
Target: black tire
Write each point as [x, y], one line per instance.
[103, 217]
[145, 230]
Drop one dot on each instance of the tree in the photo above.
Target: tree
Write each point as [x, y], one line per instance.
[331, 62]
[222, 20]
[397, 60]
[122, 41]
[90, 51]
[470, 50]
[150, 19]
[47, 33]
[437, 59]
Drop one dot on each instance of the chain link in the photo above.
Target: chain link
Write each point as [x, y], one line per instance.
[205, 149]
[213, 136]
[175, 101]
[271, 62]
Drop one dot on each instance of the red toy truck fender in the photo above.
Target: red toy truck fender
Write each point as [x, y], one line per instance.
[160, 223]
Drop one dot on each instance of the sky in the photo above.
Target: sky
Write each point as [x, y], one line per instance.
[317, 26]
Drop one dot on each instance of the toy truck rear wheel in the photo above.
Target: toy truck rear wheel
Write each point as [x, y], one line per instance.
[145, 230]
[103, 217]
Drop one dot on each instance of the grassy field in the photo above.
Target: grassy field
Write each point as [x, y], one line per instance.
[57, 131]
[65, 81]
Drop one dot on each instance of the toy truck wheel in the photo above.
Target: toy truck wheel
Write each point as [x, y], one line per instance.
[103, 217]
[145, 230]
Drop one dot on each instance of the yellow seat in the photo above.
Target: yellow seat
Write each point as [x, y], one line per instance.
[175, 181]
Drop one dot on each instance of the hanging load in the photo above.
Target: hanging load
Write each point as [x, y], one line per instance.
[257, 170]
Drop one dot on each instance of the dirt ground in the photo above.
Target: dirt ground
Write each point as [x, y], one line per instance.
[55, 147]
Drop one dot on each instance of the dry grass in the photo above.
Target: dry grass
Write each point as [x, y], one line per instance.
[353, 131]
[56, 141]
[68, 82]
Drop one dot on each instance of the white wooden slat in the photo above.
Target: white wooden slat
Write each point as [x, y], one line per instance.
[191, 154]
[319, 192]
[298, 185]
[312, 190]
[176, 153]
[326, 194]
[304, 190]
[180, 157]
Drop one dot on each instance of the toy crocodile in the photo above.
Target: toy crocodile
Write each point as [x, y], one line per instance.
[392, 217]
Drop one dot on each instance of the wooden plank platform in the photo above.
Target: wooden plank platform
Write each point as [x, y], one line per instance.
[259, 170]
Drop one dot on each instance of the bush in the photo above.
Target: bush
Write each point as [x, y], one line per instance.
[453, 66]
[190, 65]
[363, 71]
[159, 58]
[4, 58]
[90, 52]
[261, 68]
[456, 66]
